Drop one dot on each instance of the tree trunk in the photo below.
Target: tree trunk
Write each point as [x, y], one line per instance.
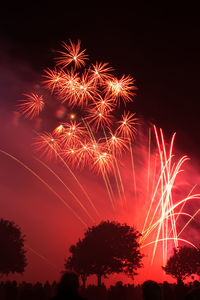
[180, 281]
[83, 278]
[99, 279]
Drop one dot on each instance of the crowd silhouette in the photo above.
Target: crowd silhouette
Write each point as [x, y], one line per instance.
[68, 288]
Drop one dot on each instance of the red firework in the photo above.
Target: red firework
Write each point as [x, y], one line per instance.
[31, 106]
[72, 55]
[47, 145]
[121, 88]
[127, 126]
[100, 72]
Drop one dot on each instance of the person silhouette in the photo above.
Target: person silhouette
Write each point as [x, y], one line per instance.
[151, 290]
[194, 294]
[68, 287]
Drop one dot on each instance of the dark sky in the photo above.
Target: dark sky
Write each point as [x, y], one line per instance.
[157, 45]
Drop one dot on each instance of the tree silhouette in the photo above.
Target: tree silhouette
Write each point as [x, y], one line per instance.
[12, 253]
[183, 263]
[107, 248]
[78, 261]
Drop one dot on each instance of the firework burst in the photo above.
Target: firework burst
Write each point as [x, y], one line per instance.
[72, 54]
[31, 106]
[121, 89]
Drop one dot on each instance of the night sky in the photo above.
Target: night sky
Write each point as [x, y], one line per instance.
[157, 45]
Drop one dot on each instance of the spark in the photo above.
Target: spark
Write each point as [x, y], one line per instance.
[100, 72]
[31, 106]
[127, 126]
[104, 103]
[68, 87]
[121, 88]
[47, 145]
[85, 91]
[163, 215]
[103, 162]
[116, 144]
[99, 117]
[72, 54]
[72, 116]
[53, 80]
[58, 130]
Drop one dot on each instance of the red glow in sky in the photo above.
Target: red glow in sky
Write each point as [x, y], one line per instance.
[50, 228]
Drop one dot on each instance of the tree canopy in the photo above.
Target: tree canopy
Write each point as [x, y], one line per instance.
[183, 263]
[107, 248]
[12, 253]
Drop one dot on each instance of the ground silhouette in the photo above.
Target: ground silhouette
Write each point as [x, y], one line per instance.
[151, 290]
[68, 287]
[11, 290]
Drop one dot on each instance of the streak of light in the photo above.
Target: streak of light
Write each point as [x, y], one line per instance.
[46, 184]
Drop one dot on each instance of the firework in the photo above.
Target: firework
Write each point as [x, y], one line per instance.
[160, 217]
[100, 72]
[116, 144]
[95, 94]
[31, 106]
[127, 126]
[68, 87]
[92, 136]
[121, 88]
[99, 117]
[53, 80]
[47, 145]
[72, 55]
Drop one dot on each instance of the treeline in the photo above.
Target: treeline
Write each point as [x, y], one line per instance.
[105, 249]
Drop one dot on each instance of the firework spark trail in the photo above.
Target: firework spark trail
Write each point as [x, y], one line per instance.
[68, 189]
[121, 185]
[165, 225]
[107, 183]
[169, 239]
[167, 213]
[103, 171]
[133, 169]
[173, 222]
[191, 218]
[159, 182]
[165, 188]
[149, 160]
[185, 202]
[41, 256]
[77, 181]
[150, 206]
[46, 184]
[105, 175]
